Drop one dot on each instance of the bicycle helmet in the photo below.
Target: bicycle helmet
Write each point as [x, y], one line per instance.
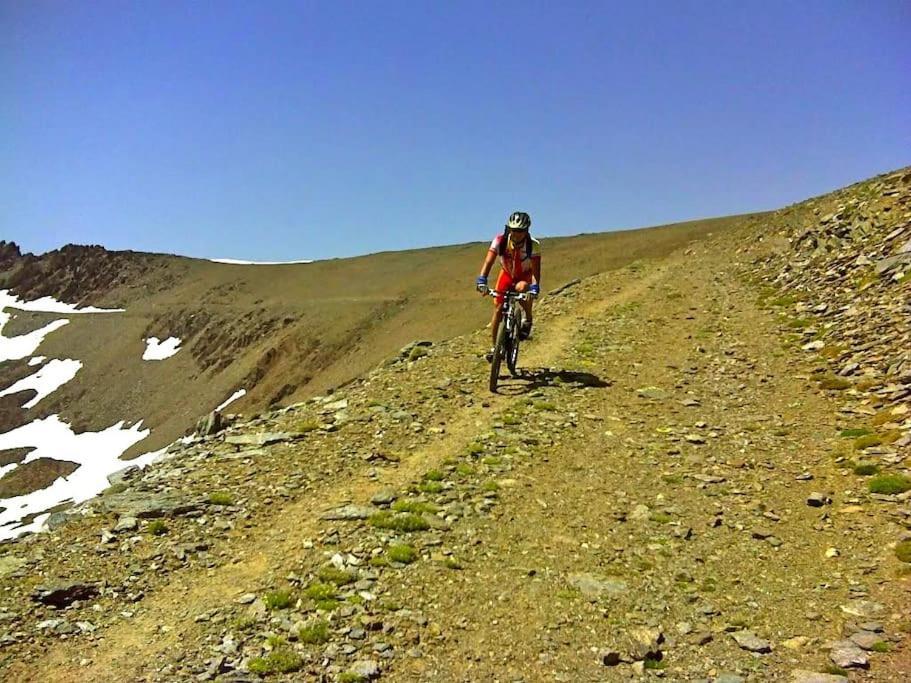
[519, 220]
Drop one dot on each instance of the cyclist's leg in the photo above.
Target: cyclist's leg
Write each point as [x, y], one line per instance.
[522, 286]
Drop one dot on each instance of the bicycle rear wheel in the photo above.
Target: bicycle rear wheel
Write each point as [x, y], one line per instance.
[499, 350]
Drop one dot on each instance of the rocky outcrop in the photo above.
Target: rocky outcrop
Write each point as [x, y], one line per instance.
[841, 279]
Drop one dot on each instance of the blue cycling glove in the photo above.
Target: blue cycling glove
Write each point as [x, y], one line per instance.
[481, 284]
[534, 290]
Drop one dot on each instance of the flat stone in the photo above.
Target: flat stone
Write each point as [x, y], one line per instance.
[385, 497]
[593, 587]
[865, 609]
[653, 393]
[126, 524]
[848, 655]
[263, 439]
[804, 676]
[348, 513]
[866, 640]
[367, 669]
[709, 478]
[749, 641]
[149, 506]
[728, 677]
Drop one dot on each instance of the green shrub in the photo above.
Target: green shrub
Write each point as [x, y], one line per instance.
[903, 551]
[889, 484]
[854, 433]
[834, 383]
[402, 553]
[339, 577]
[306, 426]
[221, 498]
[544, 405]
[430, 487]
[867, 441]
[418, 352]
[865, 469]
[315, 633]
[434, 475]
[280, 661]
[406, 522]
[320, 591]
[416, 506]
[157, 528]
[277, 599]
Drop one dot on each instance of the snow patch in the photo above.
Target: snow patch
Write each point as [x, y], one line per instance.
[159, 350]
[46, 381]
[96, 453]
[238, 262]
[236, 395]
[16, 348]
[37, 360]
[47, 304]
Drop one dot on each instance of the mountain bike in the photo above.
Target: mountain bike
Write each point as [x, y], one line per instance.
[507, 344]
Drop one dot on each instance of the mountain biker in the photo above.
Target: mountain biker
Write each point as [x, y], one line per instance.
[520, 261]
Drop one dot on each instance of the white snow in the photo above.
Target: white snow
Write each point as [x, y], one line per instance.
[47, 304]
[233, 397]
[159, 350]
[238, 262]
[97, 453]
[16, 348]
[46, 380]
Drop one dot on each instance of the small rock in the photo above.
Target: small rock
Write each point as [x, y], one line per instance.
[748, 640]
[63, 594]
[817, 500]
[367, 669]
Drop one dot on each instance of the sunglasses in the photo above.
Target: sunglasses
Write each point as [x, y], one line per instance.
[517, 229]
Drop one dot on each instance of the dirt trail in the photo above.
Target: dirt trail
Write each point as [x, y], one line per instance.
[649, 474]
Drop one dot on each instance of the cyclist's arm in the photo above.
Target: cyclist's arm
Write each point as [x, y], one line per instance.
[536, 270]
[488, 262]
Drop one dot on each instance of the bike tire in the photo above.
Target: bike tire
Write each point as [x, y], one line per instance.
[499, 351]
[512, 354]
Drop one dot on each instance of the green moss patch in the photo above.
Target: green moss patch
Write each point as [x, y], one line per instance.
[407, 522]
[277, 599]
[280, 661]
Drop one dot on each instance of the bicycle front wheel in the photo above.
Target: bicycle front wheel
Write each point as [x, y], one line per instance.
[499, 351]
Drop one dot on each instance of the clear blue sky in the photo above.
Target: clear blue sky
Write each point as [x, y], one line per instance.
[286, 130]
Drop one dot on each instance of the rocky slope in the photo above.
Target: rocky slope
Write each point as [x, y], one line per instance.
[680, 486]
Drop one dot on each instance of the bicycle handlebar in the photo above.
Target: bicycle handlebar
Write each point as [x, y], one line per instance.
[519, 296]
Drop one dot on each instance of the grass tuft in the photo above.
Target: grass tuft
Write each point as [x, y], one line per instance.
[402, 553]
[157, 528]
[854, 433]
[315, 633]
[221, 498]
[903, 551]
[306, 426]
[889, 484]
[277, 599]
[834, 383]
[867, 441]
[334, 575]
[406, 522]
[418, 507]
[280, 661]
[865, 469]
[320, 591]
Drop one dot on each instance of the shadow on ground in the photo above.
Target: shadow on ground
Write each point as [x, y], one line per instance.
[530, 379]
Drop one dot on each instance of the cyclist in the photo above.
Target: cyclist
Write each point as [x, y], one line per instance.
[520, 260]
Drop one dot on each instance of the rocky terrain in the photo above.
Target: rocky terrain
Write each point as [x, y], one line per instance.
[702, 475]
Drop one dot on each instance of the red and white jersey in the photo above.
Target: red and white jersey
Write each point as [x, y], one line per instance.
[516, 262]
